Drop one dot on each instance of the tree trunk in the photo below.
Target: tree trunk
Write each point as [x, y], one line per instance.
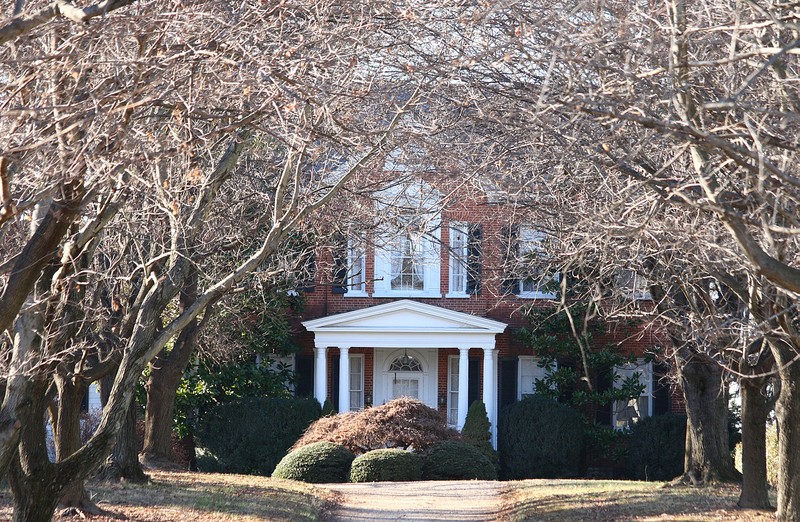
[166, 372]
[67, 436]
[123, 463]
[708, 457]
[787, 411]
[33, 478]
[755, 409]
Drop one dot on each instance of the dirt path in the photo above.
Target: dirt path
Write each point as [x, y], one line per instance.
[469, 501]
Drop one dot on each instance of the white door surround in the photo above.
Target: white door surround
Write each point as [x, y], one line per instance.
[385, 378]
[412, 326]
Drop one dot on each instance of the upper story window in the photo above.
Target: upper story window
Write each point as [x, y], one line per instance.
[356, 268]
[407, 249]
[465, 259]
[527, 263]
[632, 284]
[407, 255]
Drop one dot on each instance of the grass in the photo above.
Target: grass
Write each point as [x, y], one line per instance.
[201, 497]
[605, 500]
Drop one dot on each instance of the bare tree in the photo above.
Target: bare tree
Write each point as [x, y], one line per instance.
[158, 106]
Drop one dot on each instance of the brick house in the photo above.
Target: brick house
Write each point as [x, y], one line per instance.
[429, 311]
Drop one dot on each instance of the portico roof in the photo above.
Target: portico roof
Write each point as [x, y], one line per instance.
[412, 323]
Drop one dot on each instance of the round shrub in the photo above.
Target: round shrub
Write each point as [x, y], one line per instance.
[321, 462]
[453, 460]
[252, 435]
[656, 447]
[540, 438]
[386, 465]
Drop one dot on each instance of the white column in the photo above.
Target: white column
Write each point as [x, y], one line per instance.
[493, 418]
[463, 386]
[344, 379]
[489, 388]
[321, 374]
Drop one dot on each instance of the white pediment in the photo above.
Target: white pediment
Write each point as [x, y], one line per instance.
[405, 316]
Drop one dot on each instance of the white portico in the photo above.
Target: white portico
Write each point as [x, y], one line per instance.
[406, 336]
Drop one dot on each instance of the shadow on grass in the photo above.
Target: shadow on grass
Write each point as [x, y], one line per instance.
[222, 495]
[601, 501]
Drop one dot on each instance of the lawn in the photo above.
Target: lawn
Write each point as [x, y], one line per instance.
[605, 500]
[196, 497]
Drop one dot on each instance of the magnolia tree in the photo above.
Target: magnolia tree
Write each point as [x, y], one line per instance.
[153, 159]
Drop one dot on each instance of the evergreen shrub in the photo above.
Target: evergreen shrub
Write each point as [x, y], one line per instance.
[386, 465]
[656, 447]
[476, 432]
[540, 438]
[454, 460]
[320, 462]
[252, 435]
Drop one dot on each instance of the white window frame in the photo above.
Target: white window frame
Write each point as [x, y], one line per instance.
[354, 406]
[530, 240]
[645, 371]
[431, 258]
[356, 269]
[540, 373]
[452, 389]
[459, 255]
[633, 285]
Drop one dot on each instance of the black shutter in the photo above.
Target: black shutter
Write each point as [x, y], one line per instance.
[335, 381]
[304, 370]
[340, 267]
[510, 238]
[661, 390]
[474, 260]
[475, 378]
[508, 381]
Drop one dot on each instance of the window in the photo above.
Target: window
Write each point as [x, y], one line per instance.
[531, 370]
[356, 382]
[452, 390]
[465, 259]
[627, 413]
[406, 363]
[407, 264]
[356, 268]
[526, 261]
[632, 284]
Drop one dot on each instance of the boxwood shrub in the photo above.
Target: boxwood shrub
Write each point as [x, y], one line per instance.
[252, 435]
[454, 460]
[540, 438]
[320, 462]
[656, 447]
[386, 465]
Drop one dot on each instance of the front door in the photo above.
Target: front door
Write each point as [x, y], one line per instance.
[405, 385]
[405, 373]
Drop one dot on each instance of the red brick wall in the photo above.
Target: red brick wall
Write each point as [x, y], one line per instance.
[630, 338]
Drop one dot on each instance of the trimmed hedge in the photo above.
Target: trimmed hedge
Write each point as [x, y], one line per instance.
[453, 460]
[656, 447]
[252, 435]
[540, 438]
[386, 465]
[321, 462]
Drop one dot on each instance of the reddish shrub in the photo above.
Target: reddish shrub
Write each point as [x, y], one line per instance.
[401, 423]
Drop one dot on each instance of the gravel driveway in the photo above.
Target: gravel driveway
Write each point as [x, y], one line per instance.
[464, 500]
